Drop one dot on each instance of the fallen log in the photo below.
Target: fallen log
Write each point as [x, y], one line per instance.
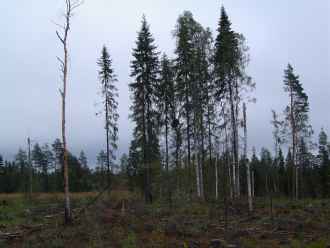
[10, 235]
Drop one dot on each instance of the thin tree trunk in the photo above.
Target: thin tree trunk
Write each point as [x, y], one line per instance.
[201, 173]
[198, 188]
[229, 171]
[144, 154]
[188, 134]
[202, 158]
[238, 186]
[253, 185]
[216, 178]
[225, 183]
[167, 158]
[68, 215]
[30, 168]
[234, 142]
[70, 6]
[293, 127]
[248, 174]
[107, 137]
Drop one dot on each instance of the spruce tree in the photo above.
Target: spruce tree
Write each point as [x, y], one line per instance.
[232, 83]
[145, 74]
[109, 94]
[226, 70]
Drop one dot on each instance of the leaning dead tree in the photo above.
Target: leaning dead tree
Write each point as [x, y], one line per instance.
[70, 6]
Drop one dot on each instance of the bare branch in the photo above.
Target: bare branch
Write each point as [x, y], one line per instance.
[60, 60]
[61, 92]
[76, 4]
[59, 25]
[59, 36]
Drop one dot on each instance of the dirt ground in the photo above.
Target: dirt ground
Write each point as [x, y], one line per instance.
[126, 222]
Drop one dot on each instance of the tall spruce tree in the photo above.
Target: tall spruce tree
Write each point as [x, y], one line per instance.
[109, 94]
[226, 66]
[145, 74]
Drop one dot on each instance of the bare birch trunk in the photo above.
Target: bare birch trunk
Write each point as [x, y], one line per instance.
[216, 178]
[197, 176]
[201, 179]
[248, 174]
[234, 142]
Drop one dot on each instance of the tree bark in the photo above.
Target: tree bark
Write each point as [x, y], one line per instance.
[216, 178]
[234, 142]
[107, 137]
[70, 6]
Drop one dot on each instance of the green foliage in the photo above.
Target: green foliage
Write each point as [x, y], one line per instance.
[109, 94]
[144, 71]
[318, 244]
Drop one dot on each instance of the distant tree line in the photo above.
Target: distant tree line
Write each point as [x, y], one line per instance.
[47, 171]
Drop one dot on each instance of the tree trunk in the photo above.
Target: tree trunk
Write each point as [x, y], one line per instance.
[64, 67]
[234, 143]
[107, 137]
[238, 186]
[188, 134]
[167, 158]
[216, 178]
[68, 215]
[248, 174]
[253, 185]
[293, 130]
[30, 168]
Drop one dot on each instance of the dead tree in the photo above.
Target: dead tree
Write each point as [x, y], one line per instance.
[70, 6]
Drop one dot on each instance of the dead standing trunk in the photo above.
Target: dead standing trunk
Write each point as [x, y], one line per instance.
[70, 6]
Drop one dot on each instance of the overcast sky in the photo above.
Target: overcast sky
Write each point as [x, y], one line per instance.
[277, 32]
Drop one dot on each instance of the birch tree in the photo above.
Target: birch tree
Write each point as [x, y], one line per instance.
[145, 74]
[248, 170]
